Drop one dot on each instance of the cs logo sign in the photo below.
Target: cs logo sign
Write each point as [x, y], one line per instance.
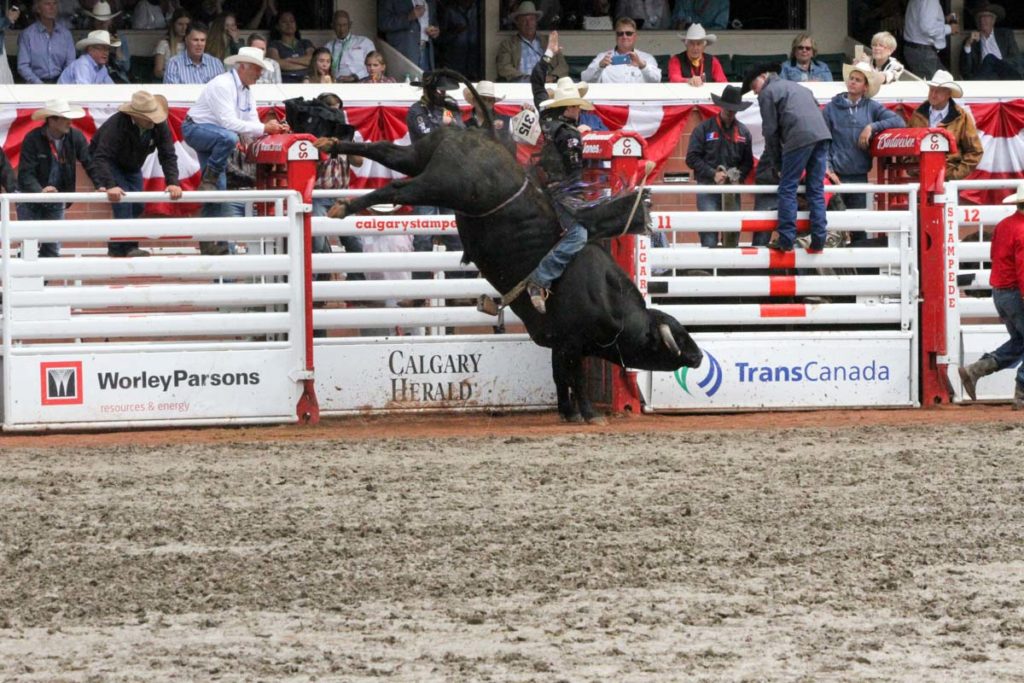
[708, 385]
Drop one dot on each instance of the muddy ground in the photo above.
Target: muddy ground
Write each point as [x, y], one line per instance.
[868, 552]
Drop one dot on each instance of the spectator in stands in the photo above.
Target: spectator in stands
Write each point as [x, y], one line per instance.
[1007, 281]
[721, 152]
[796, 142]
[6, 21]
[319, 67]
[596, 15]
[225, 38]
[802, 65]
[941, 111]
[48, 156]
[291, 51]
[713, 14]
[883, 44]
[650, 15]
[411, 27]
[207, 11]
[272, 72]
[119, 149]
[265, 17]
[693, 65]
[924, 35]
[101, 18]
[46, 47]
[348, 50]
[488, 98]
[624, 64]
[990, 53]
[173, 44]
[518, 54]
[91, 67]
[376, 69]
[853, 118]
[193, 65]
[153, 15]
[459, 40]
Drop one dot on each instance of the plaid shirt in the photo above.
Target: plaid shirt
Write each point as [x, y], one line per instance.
[181, 69]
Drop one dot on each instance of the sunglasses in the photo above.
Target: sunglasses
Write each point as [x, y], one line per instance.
[804, 47]
[625, 33]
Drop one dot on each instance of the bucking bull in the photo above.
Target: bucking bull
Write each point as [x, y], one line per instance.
[507, 225]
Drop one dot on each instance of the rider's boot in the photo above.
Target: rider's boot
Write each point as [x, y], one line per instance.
[538, 295]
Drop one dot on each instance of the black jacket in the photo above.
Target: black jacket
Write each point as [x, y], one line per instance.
[34, 168]
[562, 154]
[8, 181]
[423, 118]
[712, 146]
[970, 62]
[119, 143]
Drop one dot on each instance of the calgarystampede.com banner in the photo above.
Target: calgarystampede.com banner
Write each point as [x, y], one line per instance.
[405, 224]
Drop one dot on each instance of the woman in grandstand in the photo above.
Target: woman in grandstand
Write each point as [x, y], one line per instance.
[802, 65]
[376, 68]
[320, 67]
[883, 44]
[225, 38]
[173, 43]
[290, 49]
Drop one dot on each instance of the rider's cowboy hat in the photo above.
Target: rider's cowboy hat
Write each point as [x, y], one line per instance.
[525, 7]
[59, 108]
[147, 106]
[97, 38]
[757, 70]
[1016, 198]
[874, 78]
[988, 8]
[247, 55]
[944, 79]
[484, 89]
[730, 99]
[101, 12]
[697, 32]
[565, 93]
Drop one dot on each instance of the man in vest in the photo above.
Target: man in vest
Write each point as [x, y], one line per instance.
[693, 65]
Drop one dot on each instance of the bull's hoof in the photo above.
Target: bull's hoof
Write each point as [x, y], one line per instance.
[575, 419]
[598, 420]
[338, 210]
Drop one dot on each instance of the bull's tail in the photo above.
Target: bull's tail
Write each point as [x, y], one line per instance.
[488, 116]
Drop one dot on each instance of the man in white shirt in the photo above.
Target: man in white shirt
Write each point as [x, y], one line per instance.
[924, 34]
[624, 64]
[348, 51]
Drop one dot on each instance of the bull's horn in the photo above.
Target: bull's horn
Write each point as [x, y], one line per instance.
[670, 341]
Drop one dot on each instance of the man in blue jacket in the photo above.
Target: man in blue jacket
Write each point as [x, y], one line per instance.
[853, 118]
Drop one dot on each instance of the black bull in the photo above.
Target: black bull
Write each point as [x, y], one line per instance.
[507, 226]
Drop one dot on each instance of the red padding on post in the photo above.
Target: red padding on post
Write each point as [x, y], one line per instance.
[782, 285]
[783, 311]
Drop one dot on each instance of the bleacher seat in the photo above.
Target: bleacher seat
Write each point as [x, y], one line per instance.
[577, 63]
[835, 61]
[142, 69]
[741, 63]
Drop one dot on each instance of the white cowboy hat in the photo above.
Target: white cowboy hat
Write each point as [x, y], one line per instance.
[247, 55]
[147, 106]
[874, 78]
[484, 89]
[944, 79]
[525, 7]
[97, 38]
[697, 32]
[101, 11]
[565, 93]
[1016, 198]
[59, 108]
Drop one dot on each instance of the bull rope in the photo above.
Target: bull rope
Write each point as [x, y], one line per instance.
[499, 207]
[639, 194]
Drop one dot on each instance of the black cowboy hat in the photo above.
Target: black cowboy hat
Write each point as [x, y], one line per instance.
[434, 81]
[730, 99]
[757, 70]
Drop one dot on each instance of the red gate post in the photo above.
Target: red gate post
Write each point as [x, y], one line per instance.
[290, 161]
[616, 162]
[930, 147]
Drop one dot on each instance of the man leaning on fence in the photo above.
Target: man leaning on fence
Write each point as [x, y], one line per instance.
[121, 146]
[224, 112]
[48, 156]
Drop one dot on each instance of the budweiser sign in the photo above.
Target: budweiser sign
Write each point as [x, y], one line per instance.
[900, 143]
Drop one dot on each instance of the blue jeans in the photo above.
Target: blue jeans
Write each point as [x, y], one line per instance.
[1010, 307]
[213, 144]
[855, 201]
[710, 202]
[43, 212]
[130, 181]
[555, 262]
[813, 159]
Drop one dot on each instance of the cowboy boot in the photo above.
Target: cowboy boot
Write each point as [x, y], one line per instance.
[970, 374]
[1018, 397]
[537, 297]
[208, 183]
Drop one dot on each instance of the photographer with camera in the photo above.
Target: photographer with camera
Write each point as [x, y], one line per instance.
[624, 64]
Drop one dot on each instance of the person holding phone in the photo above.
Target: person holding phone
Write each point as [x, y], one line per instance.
[624, 64]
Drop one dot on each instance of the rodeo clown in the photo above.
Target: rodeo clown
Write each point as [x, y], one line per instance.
[561, 159]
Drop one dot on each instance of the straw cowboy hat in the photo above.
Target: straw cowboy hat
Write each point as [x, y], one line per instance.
[97, 38]
[525, 7]
[944, 79]
[1017, 198]
[730, 99]
[697, 32]
[990, 8]
[247, 55]
[147, 106]
[59, 108]
[101, 12]
[874, 78]
[484, 89]
[565, 93]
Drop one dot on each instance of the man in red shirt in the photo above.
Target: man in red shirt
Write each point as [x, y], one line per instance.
[1007, 280]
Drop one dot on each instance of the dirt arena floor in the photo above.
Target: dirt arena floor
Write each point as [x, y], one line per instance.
[859, 545]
